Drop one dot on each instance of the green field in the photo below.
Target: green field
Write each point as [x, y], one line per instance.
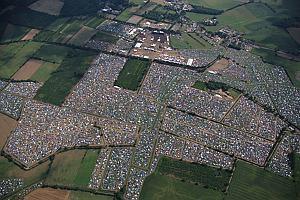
[13, 32]
[72, 69]
[82, 36]
[95, 22]
[44, 72]
[105, 37]
[57, 24]
[250, 182]
[175, 179]
[11, 60]
[296, 173]
[52, 53]
[216, 4]
[72, 168]
[132, 74]
[10, 170]
[197, 17]
[76, 195]
[125, 15]
[188, 41]
[292, 67]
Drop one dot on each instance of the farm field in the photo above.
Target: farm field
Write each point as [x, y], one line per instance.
[72, 69]
[132, 74]
[106, 37]
[9, 169]
[48, 194]
[296, 171]
[27, 70]
[12, 60]
[197, 17]
[76, 195]
[50, 7]
[8, 124]
[82, 36]
[292, 67]
[52, 53]
[295, 33]
[255, 183]
[44, 72]
[216, 4]
[13, 32]
[57, 24]
[94, 22]
[186, 41]
[30, 35]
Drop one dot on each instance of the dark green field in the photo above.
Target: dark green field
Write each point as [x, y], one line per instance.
[105, 37]
[76, 195]
[132, 74]
[72, 69]
[52, 53]
[174, 179]
[296, 171]
[94, 22]
[10, 32]
[250, 182]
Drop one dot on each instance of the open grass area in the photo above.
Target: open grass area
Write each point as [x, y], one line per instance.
[291, 67]
[76, 195]
[175, 179]
[10, 170]
[12, 58]
[95, 22]
[86, 168]
[250, 182]
[296, 173]
[105, 37]
[72, 69]
[72, 168]
[132, 74]
[57, 24]
[44, 72]
[216, 4]
[197, 17]
[187, 41]
[125, 15]
[82, 36]
[52, 53]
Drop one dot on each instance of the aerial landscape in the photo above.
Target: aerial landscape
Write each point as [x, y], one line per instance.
[150, 99]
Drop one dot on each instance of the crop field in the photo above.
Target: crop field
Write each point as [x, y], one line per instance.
[48, 194]
[95, 22]
[162, 187]
[295, 33]
[27, 70]
[106, 37]
[195, 173]
[72, 168]
[31, 34]
[9, 169]
[57, 24]
[72, 69]
[186, 41]
[251, 182]
[50, 7]
[76, 195]
[52, 53]
[72, 27]
[7, 125]
[292, 67]
[44, 72]
[11, 60]
[216, 4]
[197, 17]
[296, 171]
[13, 33]
[132, 74]
[127, 13]
[82, 36]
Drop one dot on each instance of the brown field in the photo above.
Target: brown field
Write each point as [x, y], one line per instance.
[30, 35]
[28, 69]
[7, 125]
[219, 65]
[48, 194]
[295, 33]
[51, 7]
[134, 19]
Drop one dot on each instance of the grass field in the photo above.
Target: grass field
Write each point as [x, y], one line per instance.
[13, 33]
[72, 69]
[76, 195]
[9, 169]
[52, 53]
[216, 4]
[296, 173]
[250, 182]
[82, 36]
[197, 17]
[175, 179]
[106, 37]
[12, 59]
[95, 22]
[57, 24]
[72, 168]
[125, 15]
[292, 67]
[187, 41]
[44, 72]
[132, 74]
